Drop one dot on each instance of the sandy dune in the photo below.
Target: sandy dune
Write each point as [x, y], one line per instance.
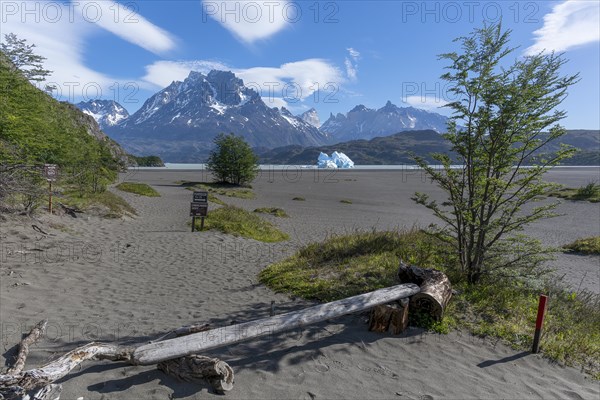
[118, 279]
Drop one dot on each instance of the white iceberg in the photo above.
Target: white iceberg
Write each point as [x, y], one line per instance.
[337, 160]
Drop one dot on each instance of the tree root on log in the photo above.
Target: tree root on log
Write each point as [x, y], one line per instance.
[192, 368]
[436, 289]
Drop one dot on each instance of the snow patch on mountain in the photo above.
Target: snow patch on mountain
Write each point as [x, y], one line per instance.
[311, 117]
[107, 113]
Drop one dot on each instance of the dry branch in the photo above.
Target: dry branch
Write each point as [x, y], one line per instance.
[55, 370]
[34, 335]
[50, 392]
[15, 385]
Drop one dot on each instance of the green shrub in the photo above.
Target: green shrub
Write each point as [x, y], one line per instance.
[233, 160]
[589, 192]
[592, 189]
[589, 245]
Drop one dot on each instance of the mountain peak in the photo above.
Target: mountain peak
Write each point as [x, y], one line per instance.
[191, 113]
[389, 107]
[285, 111]
[312, 117]
[359, 108]
[107, 113]
[222, 74]
[195, 75]
[364, 123]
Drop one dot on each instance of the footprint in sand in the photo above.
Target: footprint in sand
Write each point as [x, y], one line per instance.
[322, 368]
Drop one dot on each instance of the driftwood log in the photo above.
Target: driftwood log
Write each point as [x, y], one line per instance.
[176, 352]
[16, 383]
[191, 344]
[435, 292]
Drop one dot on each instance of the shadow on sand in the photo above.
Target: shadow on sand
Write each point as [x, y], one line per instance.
[517, 356]
[264, 353]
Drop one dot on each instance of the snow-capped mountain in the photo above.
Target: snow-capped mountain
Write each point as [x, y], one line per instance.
[312, 117]
[180, 122]
[106, 112]
[366, 123]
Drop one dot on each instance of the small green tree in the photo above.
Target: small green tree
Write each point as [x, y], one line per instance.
[24, 59]
[232, 161]
[501, 119]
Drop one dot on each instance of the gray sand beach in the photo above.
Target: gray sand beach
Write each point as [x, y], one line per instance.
[97, 279]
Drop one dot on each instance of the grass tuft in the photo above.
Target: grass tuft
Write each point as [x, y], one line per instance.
[138, 188]
[504, 308]
[589, 192]
[214, 199]
[221, 189]
[345, 201]
[239, 222]
[107, 203]
[277, 212]
[589, 245]
[347, 265]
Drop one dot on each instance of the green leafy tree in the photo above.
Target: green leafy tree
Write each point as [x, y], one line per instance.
[501, 118]
[233, 161]
[23, 57]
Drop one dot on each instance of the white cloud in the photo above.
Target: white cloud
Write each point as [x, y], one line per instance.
[62, 42]
[352, 63]
[353, 53]
[162, 73]
[294, 81]
[307, 76]
[570, 24]
[60, 31]
[277, 102]
[351, 71]
[250, 20]
[125, 23]
[425, 102]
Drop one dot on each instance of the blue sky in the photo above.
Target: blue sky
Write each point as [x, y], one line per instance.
[330, 55]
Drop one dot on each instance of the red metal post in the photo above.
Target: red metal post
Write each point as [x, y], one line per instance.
[539, 323]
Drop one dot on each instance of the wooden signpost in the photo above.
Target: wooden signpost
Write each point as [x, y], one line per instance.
[199, 208]
[50, 173]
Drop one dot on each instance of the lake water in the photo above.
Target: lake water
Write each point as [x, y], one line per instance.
[175, 166]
